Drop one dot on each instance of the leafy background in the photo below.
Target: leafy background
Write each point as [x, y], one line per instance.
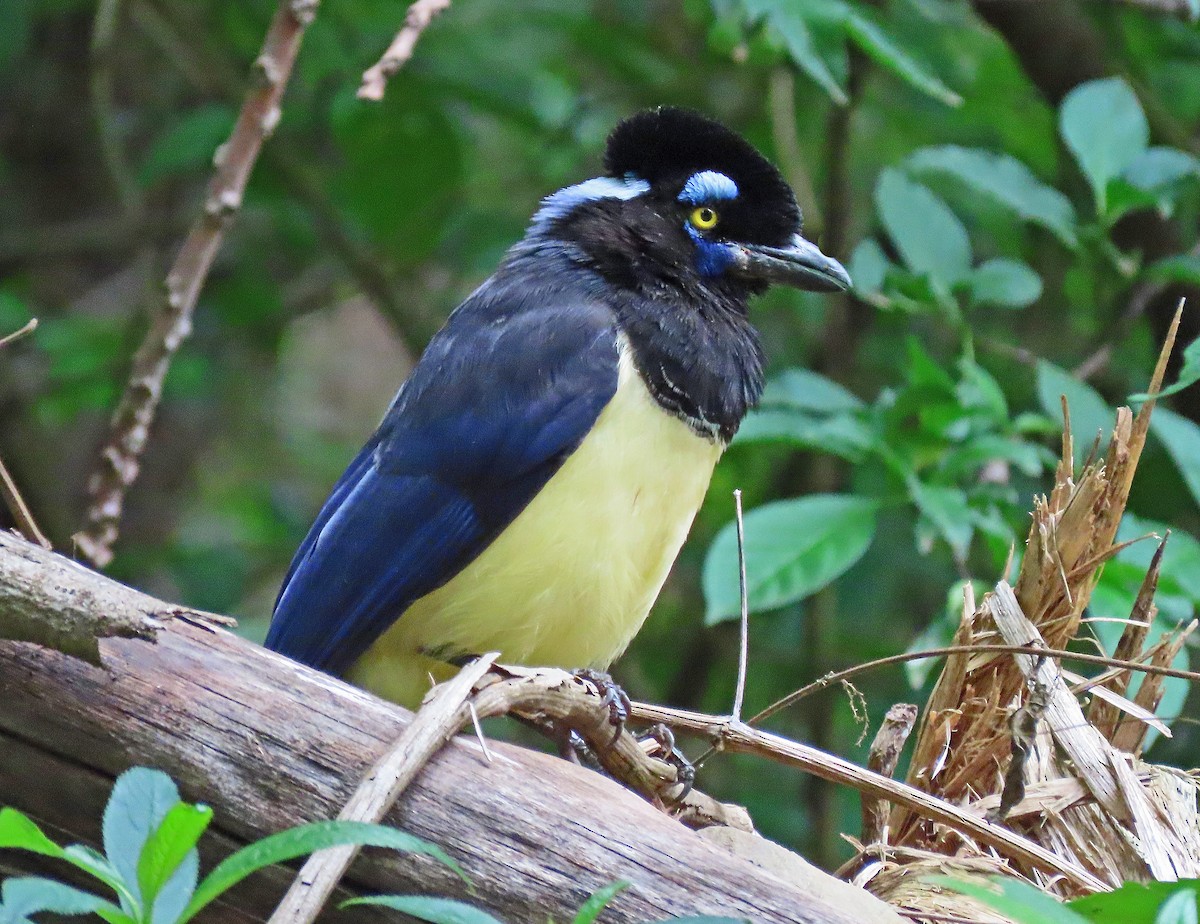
[1014, 186]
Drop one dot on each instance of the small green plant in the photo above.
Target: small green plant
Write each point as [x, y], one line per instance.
[1156, 903]
[150, 863]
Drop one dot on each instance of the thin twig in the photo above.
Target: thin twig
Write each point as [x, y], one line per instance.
[435, 724]
[740, 737]
[837, 676]
[744, 641]
[29, 328]
[211, 72]
[16, 504]
[416, 21]
[117, 466]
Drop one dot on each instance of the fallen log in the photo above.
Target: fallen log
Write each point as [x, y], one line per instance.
[269, 744]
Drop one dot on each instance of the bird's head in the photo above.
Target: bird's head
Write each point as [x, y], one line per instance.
[686, 201]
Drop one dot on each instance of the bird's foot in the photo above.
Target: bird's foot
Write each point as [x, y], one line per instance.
[612, 696]
[664, 738]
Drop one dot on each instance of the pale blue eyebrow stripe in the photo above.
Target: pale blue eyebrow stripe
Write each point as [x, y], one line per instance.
[707, 186]
[558, 204]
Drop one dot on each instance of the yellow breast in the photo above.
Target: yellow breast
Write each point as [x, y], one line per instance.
[570, 581]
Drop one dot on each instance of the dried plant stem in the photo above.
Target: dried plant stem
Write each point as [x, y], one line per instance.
[29, 328]
[117, 466]
[744, 641]
[16, 504]
[737, 736]
[435, 724]
[416, 21]
[836, 677]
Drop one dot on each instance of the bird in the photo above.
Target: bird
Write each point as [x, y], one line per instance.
[534, 478]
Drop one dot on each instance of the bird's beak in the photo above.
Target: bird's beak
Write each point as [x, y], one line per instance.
[801, 265]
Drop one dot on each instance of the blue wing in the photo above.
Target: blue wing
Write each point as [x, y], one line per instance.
[504, 393]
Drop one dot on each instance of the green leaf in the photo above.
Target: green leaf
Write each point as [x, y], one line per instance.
[947, 509]
[793, 549]
[21, 896]
[1180, 908]
[96, 864]
[1105, 129]
[1182, 439]
[1090, 413]
[929, 236]
[1018, 900]
[19, 831]
[303, 840]
[1004, 180]
[140, 800]
[188, 145]
[1188, 375]
[428, 908]
[1184, 267]
[1006, 284]
[802, 49]
[868, 267]
[598, 901]
[166, 850]
[1156, 168]
[883, 50]
[808, 391]
[1132, 903]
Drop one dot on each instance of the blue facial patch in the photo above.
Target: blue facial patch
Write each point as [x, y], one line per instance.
[707, 186]
[712, 257]
[560, 203]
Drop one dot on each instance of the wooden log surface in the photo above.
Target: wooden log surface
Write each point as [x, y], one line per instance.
[269, 744]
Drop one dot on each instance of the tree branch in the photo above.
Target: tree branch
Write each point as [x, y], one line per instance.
[269, 743]
[117, 466]
[416, 21]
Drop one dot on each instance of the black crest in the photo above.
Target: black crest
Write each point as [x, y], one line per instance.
[665, 146]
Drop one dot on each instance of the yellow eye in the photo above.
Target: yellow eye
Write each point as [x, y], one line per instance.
[704, 218]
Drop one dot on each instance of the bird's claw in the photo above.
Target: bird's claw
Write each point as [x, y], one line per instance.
[618, 702]
[685, 772]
